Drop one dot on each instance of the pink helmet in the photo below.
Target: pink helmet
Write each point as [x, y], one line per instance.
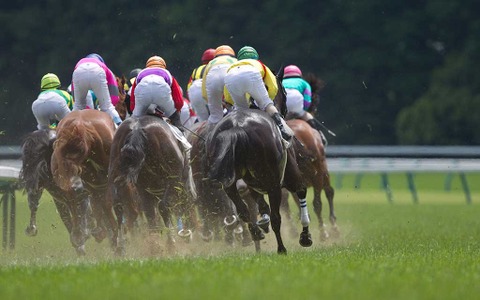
[292, 71]
[208, 55]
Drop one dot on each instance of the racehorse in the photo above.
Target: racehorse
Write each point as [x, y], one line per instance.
[215, 209]
[312, 163]
[80, 165]
[35, 175]
[246, 144]
[146, 154]
[121, 106]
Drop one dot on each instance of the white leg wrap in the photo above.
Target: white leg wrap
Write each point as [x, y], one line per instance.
[304, 217]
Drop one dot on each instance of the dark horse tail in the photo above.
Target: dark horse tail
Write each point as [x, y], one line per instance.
[132, 155]
[37, 148]
[227, 152]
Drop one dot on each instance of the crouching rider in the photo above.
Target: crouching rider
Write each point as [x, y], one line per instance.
[155, 88]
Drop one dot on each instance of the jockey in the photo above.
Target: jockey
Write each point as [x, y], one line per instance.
[213, 81]
[194, 86]
[251, 76]
[299, 96]
[91, 73]
[52, 104]
[155, 85]
[131, 79]
[92, 101]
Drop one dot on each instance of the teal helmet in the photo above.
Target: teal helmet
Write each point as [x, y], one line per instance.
[247, 52]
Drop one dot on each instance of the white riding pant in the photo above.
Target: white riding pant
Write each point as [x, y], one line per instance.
[185, 118]
[90, 76]
[295, 103]
[153, 89]
[49, 107]
[199, 104]
[214, 84]
[245, 79]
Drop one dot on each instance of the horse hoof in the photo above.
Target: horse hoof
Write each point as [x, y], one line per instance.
[282, 251]
[99, 234]
[255, 232]
[264, 222]
[335, 232]
[31, 230]
[305, 239]
[120, 251]
[81, 250]
[186, 235]
[230, 221]
[207, 237]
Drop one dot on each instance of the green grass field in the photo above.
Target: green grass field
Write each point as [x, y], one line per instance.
[398, 250]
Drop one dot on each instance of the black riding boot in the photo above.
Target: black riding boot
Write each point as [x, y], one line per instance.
[277, 118]
[315, 124]
[175, 119]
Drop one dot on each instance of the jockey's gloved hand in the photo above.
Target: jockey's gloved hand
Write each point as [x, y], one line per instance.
[175, 119]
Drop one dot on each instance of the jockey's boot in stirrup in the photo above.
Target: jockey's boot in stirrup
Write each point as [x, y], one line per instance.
[286, 131]
[175, 119]
[315, 124]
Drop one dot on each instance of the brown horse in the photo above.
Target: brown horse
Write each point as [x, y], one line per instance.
[36, 176]
[312, 162]
[80, 165]
[146, 154]
[121, 106]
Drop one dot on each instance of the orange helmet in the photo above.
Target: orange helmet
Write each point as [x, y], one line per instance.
[156, 61]
[208, 55]
[224, 50]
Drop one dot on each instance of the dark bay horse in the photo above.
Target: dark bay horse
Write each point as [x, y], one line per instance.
[80, 166]
[121, 106]
[246, 144]
[36, 176]
[215, 209]
[311, 159]
[146, 154]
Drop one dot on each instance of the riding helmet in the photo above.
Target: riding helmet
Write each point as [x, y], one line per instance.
[247, 52]
[156, 61]
[292, 71]
[224, 50]
[50, 81]
[208, 55]
[96, 56]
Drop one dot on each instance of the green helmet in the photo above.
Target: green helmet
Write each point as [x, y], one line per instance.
[247, 52]
[49, 81]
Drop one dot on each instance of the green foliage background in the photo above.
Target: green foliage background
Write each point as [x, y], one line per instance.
[397, 72]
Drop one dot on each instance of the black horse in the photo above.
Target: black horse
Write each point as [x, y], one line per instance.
[36, 176]
[246, 144]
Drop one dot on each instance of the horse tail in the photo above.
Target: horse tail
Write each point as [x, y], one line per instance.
[36, 152]
[132, 155]
[228, 151]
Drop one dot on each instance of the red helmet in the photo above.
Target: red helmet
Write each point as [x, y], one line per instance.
[292, 71]
[208, 55]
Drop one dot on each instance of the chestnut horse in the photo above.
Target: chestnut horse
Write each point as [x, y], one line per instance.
[312, 162]
[146, 154]
[80, 166]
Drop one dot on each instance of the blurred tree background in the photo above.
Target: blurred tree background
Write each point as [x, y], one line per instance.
[396, 72]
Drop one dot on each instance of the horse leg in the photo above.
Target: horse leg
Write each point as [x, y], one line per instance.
[274, 198]
[286, 211]
[79, 234]
[305, 236]
[330, 192]
[100, 230]
[263, 210]
[33, 201]
[244, 213]
[118, 207]
[317, 207]
[64, 212]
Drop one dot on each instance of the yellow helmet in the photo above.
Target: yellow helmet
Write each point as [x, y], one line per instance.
[224, 50]
[156, 61]
[49, 81]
